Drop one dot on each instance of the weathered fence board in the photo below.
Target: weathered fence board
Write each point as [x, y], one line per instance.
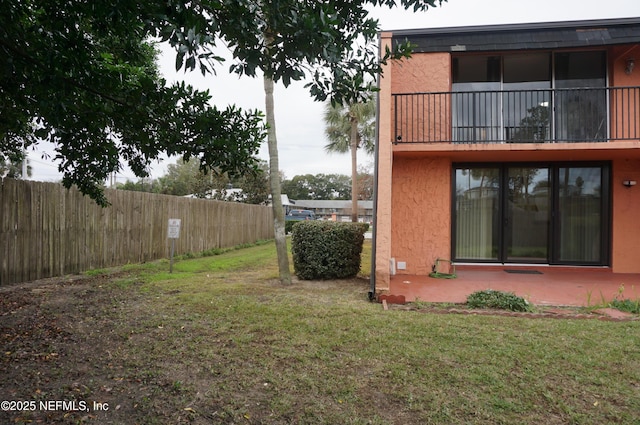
[47, 230]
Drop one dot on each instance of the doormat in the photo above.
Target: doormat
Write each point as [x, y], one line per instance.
[522, 271]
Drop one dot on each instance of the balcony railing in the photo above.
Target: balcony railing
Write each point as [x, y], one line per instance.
[518, 116]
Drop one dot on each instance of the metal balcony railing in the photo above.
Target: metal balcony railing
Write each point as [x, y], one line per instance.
[518, 116]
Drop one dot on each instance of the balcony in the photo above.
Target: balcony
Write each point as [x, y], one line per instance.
[518, 116]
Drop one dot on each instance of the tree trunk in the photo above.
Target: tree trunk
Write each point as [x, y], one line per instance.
[354, 169]
[274, 181]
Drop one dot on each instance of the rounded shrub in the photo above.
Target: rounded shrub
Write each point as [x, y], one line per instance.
[326, 249]
[498, 299]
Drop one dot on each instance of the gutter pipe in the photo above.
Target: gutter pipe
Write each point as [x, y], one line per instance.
[372, 277]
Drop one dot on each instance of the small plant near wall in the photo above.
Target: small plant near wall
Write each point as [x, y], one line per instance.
[625, 304]
[498, 299]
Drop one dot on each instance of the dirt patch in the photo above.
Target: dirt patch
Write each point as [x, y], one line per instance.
[82, 349]
[59, 353]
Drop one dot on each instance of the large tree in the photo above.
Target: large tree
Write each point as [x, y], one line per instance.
[82, 76]
[365, 182]
[319, 186]
[349, 127]
[331, 41]
[180, 179]
[187, 178]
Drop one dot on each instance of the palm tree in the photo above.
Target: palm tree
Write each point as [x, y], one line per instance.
[349, 127]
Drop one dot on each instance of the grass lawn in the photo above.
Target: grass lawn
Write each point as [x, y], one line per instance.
[221, 341]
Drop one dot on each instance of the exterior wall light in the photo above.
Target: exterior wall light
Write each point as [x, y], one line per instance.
[630, 65]
[629, 183]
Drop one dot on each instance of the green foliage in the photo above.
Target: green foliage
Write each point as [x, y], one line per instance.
[627, 305]
[326, 249]
[82, 76]
[188, 178]
[288, 226]
[338, 120]
[180, 178]
[624, 304]
[498, 299]
[141, 185]
[318, 186]
[335, 39]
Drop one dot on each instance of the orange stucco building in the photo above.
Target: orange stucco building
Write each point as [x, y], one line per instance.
[510, 145]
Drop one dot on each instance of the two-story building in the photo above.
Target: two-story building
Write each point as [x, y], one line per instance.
[510, 145]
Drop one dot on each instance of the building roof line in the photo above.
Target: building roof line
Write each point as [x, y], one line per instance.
[566, 25]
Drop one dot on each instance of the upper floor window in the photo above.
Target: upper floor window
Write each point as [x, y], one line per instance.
[570, 70]
[529, 96]
[580, 69]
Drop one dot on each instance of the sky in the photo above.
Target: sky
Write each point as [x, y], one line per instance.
[299, 119]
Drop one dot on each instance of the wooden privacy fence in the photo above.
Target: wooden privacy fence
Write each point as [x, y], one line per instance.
[47, 230]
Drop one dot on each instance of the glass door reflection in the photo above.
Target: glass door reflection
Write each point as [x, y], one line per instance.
[527, 215]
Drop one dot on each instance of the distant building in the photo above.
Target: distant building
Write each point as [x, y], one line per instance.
[336, 210]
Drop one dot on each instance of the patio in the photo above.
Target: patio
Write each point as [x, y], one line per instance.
[541, 285]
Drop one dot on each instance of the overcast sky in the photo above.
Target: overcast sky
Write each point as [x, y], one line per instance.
[299, 123]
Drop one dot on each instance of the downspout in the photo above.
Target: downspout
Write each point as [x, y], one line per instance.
[372, 278]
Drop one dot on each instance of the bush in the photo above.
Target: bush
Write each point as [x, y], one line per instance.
[498, 299]
[626, 305]
[326, 249]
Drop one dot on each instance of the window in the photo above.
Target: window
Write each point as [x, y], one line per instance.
[533, 213]
[529, 97]
[580, 114]
[476, 101]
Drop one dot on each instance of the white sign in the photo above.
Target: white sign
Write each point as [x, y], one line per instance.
[174, 228]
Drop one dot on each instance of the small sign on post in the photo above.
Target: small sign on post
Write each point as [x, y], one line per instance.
[173, 233]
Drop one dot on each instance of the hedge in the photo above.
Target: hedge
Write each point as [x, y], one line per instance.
[326, 249]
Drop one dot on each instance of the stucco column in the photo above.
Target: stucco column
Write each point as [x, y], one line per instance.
[383, 201]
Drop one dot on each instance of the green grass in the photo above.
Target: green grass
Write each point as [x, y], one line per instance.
[256, 257]
[318, 352]
[245, 257]
[222, 341]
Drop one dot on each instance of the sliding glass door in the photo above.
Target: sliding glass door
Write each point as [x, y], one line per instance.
[580, 115]
[476, 111]
[580, 214]
[527, 214]
[543, 213]
[477, 205]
